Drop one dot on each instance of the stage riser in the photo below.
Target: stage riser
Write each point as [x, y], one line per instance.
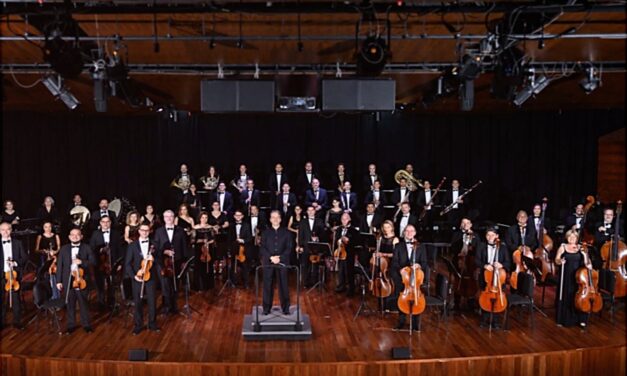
[599, 361]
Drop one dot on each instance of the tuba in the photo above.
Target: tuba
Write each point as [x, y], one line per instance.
[412, 182]
[210, 182]
[181, 183]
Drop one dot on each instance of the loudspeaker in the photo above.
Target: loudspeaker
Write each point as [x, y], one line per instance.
[400, 353]
[236, 96]
[358, 95]
[138, 355]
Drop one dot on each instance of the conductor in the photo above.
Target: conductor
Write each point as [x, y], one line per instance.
[276, 245]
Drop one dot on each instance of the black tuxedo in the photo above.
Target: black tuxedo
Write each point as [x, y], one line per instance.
[335, 180]
[347, 267]
[370, 199]
[377, 220]
[275, 243]
[245, 234]
[400, 260]
[322, 200]
[64, 264]
[181, 252]
[367, 182]
[96, 243]
[571, 221]
[20, 257]
[396, 196]
[305, 233]
[349, 201]
[96, 215]
[272, 182]
[531, 223]
[302, 183]
[454, 216]
[412, 220]
[133, 263]
[600, 237]
[254, 199]
[421, 199]
[514, 240]
[457, 242]
[227, 205]
[286, 212]
[481, 259]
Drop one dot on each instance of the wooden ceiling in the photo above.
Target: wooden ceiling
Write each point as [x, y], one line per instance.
[183, 89]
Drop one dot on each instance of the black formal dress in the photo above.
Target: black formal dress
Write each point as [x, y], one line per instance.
[565, 312]
[221, 237]
[333, 218]
[133, 263]
[275, 242]
[45, 215]
[404, 255]
[9, 218]
[64, 266]
[49, 243]
[14, 251]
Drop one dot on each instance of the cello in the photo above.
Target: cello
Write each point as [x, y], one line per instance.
[492, 299]
[614, 255]
[588, 299]
[517, 257]
[380, 284]
[466, 284]
[411, 301]
[542, 253]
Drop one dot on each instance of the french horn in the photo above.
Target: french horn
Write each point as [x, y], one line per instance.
[412, 182]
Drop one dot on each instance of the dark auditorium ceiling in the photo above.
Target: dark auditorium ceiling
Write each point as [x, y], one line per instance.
[169, 46]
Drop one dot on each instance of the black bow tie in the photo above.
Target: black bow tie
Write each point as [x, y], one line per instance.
[238, 223]
[105, 232]
[170, 228]
[405, 215]
[144, 241]
[6, 242]
[316, 191]
[76, 245]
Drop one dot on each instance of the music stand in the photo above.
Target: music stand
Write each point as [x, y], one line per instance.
[534, 269]
[185, 271]
[322, 250]
[363, 305]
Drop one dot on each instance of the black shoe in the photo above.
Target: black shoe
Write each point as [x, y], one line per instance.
[70, 330]
[136, 331]
[88, 329]
[155, 329]
[415, 328]
[340, 289]
[265, 313]
[399, 326]
[286, 312]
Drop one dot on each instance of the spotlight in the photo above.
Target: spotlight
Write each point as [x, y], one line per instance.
[59, 91]
[470, 67]
[65, 58]
[540, 84]
[101, 85]
[467, 95]
[533, 87]
[372, 56]
[591, 81]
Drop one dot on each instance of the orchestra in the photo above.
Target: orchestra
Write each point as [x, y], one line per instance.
[230, 228]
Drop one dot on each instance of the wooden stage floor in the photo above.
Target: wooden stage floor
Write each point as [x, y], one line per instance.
[211, 343]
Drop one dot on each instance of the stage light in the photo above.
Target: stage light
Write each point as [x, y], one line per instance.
[372, 56]
[65, 58]
[101, 85]
[591, 81]
[470, 67]
[59, 91]
[523, 95]
[540, 84]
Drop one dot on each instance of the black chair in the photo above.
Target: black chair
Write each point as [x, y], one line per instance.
[440, 298]
[523, 297]
[49, 307]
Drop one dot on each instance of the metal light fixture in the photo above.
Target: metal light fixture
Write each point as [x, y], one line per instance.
[591, 81]
[59, 91]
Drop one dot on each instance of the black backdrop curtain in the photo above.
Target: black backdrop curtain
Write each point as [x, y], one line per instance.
[520, 156]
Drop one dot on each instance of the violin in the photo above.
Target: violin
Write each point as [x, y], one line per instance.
[11, 282]
[144, 271]
[51, 256]
[340, 251]
[588, 298]
[380, 285]
[78, 279]
[105, 259]
[517, 257]
[168, 266]
[492, 298]
[205, 255]
[614, 255]
[541, 254]
[411, 301]
[241, 253]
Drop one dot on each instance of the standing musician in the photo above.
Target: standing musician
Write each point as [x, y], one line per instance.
[371, 220]
[305, 178]
[276, 181]
[181, 182]
[105, 243]
[77, 200]
[410, 169]
[317, 197]
[224, 199]
[376, 196]
[487, 256]
[9, 214]
[276, 246]
[258, 222]
[141, 251]
[47, 212]
[371, 177]
[454, 216]
[310, 229]
[603, 232]
[47, 245]
[348, 199]
[249, 196]
[210, 181]
[405, 218]
[575, 220]
[347, 236]
[402, 257]
[204, 241]
[150, 217]
[536, 218]
[12, 255]
[425, 202]
[340, 177]
[333, 218]
[73, 258]
[239, 183]
[170, 242]
[520, 234]
[402, 194]
[131, 230]
[285, 202]
[103, 211]
[192, 200]
[240, 234]
[464, 244]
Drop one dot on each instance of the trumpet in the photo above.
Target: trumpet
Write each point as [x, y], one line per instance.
[412, 182]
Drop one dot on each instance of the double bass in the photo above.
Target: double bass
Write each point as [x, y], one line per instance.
[588, 299]
[541, 255]
[380, 284]
[492, 299]
[614, 255]
[411, 301]
[466, 284]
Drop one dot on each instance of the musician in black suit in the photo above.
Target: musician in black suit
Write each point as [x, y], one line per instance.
[370, 178]
[464, 243]
[184, 180]
[249, 196]
[521, 234]
[138, 251]
[404, 218]
[102, 239]
[376, 196]
[310, 229]
[224, 198]
[276, 181]
[304, 179]
[340, 177]
[575, 220]
[240, 234]
[425, 201]
[103, 211]
[257, 222]
[75, 256]
[11, 254]
[318, 198]
[276, 246]
[370, 220]
[486, 258]
[406, 252]
[285, 202]
[349, 237]
[603, 232]
[454, 216]
[402, 194]
[348, 199]
[535, 219]
[171, 241]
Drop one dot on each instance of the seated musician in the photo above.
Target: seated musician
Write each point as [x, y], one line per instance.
[406, 252]
[520, 234]
[138, 251]
[12, 254]
[488, 256]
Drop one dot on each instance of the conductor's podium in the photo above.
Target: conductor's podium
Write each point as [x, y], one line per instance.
[275, 325]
